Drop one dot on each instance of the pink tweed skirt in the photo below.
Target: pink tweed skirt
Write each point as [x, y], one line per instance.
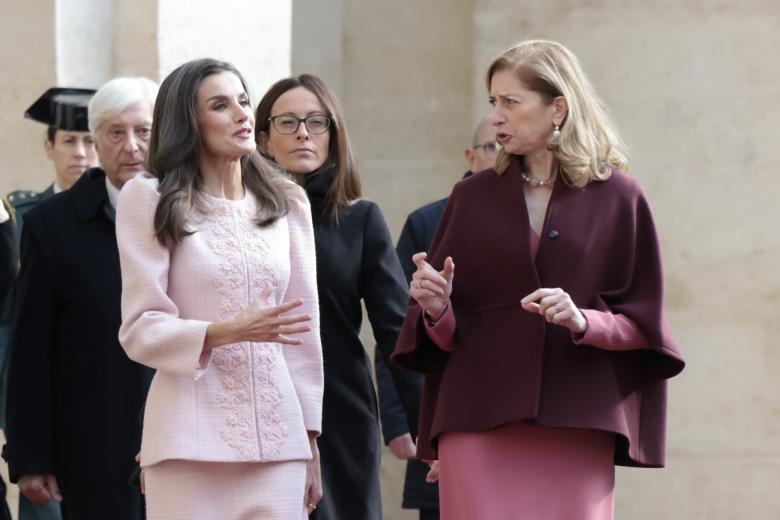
[194, 490]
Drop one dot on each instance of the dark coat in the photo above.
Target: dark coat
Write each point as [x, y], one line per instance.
[22, 201]
[8, 265]
[9, 257]
[416, 236]
[598, 244]
[355, 261]
[74, 396]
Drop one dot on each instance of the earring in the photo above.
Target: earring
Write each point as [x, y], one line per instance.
[554, 143]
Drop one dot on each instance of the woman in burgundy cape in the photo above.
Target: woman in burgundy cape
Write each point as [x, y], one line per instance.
[546, 356]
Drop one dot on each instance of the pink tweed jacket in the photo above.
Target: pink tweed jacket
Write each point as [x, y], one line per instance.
[245, 401]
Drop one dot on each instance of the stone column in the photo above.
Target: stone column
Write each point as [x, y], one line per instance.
[28, 62]
[318, 41]
[407, 96]
[84, 42]
[254, 35]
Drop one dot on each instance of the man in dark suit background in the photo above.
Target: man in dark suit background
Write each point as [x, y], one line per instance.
[9, 260]
[73, 395]
[398, 427]
[70, 146]
[8, 253]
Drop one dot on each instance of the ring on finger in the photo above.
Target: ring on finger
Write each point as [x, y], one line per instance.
[311, 506]
[557, 308]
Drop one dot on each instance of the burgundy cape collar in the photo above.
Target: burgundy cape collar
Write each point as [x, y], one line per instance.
[599, 244]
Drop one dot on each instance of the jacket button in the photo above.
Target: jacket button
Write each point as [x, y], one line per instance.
[553, 234]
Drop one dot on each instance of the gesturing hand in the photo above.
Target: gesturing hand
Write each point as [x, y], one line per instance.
[431, 288]
[266, 324]
[557, 307]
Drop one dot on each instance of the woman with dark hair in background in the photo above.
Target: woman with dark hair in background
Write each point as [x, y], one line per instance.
[216, 248]
[301, 128]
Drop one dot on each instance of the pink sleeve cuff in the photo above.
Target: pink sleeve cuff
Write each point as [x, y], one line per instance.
[442, 332]
[609, 332]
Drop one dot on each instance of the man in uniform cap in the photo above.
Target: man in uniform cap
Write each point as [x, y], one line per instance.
[70, 146]
[68, 143]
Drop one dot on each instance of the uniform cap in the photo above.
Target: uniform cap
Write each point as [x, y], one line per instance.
[62, 108]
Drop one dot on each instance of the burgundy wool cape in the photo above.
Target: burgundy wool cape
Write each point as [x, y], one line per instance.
[599, 244]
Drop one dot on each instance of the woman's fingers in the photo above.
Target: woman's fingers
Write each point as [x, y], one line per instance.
[284, 307]
[285, 340]
[289, 320]
[563, 316]
[542, 299]
[557, 307]
[292, 329]
[531, 307]
[539, 294]
[424, 285]
[431, 276]
[419, 259]
[449, 270]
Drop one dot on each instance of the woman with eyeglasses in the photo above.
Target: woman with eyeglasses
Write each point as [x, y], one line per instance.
[301, 128]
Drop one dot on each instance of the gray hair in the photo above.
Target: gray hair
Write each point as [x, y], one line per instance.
[117, 95]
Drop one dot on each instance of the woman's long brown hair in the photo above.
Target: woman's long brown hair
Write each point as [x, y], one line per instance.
[174, 155]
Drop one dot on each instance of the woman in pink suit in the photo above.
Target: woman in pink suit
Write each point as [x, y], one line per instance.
[219, 296]
[546, 352]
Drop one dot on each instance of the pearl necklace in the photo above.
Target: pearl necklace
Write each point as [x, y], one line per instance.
[533, 182]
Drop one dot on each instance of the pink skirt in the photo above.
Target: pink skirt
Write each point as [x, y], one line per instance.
[193, 490]
[529, 472]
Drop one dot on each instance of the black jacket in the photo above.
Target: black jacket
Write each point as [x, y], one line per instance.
[22, 201]
[9, 258]
[415, 237]
[74, 395]
[8, 266]
[355, 261]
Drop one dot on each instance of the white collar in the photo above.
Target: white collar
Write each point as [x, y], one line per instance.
[113, 192]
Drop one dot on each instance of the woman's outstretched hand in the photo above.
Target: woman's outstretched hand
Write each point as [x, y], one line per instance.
[260, 323]
[267, 324]
[431, 288]
[557, 307]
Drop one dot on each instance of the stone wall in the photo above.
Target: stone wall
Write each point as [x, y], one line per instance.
[692, 87]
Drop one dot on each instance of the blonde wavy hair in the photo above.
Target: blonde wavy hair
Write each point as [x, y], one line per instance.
[590, 146]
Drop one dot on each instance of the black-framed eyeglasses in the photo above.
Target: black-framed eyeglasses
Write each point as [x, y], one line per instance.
[286, 124]
[489, 148]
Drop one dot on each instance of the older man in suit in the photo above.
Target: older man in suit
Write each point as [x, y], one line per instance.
[74, 396]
